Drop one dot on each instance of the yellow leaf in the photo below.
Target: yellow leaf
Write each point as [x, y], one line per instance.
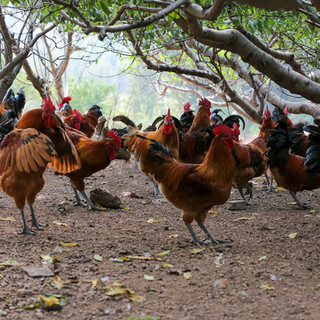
[69, 244]
[312, 211]
[128, 258]
[195, 251]
[187, 275]
[99, 205]
[293, 235]
[94, 282]
[153, 221]
[137, 298]
[239, 263]
[57, 282]
[244, 218]
[168, 265]
[59, 223]
[11, 219]
[266, 287]
[48, 258]
[174, 236]
[49, 300]
[149, 278]
[279, 189]
[161, 254]
[126, 208]
[213, 212]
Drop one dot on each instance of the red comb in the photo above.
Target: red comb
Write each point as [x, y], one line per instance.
[204, 102]
[114, 135]
[186, 106]
[267, 112]
[223, 129]
[286, 112]
[77, 114]
[47, 105]
[168, 115]
[64, 100]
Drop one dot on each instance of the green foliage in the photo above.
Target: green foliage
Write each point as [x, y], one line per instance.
[88, 92]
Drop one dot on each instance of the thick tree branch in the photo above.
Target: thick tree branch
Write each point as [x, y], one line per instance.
[234, 41]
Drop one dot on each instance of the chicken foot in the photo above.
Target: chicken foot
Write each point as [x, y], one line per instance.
[300, 204]
[25, 229]
[194, 236]
[77, 201]
[34, 222]
[210, 236]
[90, 204]
[249, 191]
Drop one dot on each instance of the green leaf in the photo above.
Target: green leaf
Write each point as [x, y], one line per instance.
[98, 257]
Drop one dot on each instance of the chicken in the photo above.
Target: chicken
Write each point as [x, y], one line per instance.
[195, 188]
[167, 134]
[24, 155]
[201, 120]
[249, 163]
[187, 117]
[46, 121]
[65, 108]
[94, 156]
[288, 169]
[313, 152]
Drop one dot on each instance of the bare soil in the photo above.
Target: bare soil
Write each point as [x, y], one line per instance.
[271, 270]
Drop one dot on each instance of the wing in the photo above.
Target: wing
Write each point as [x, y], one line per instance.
[66, 160]
[25, 150]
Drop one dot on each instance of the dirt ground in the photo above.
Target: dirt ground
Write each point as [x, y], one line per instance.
[271, 270]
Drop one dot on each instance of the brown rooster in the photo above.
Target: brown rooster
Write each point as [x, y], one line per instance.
[167, 134]
[46, 121]
[94, 156]
[288, 169]
[201, 120]
[24, 155]
[195, 188]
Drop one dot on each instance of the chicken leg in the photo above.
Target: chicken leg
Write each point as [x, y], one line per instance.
[89, 202]
[25, 229]
[210, 236]
[300, 204]
[34, 222]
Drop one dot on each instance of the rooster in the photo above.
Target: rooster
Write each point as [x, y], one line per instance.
[288, 169]
[187, 117]
[201, 120]
[167, 134]
[94, 156]
[195, 188]
[24, 155]
[249, 162]
[46, 121]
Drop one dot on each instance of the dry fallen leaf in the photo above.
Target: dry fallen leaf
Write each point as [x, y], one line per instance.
[161, 254]
[46, 257]
[59, 223]
[262, 258]
[220, 283]
[149, 278]
[97, 257]
[11, 219]
[69, 244]
[168, 265]
[267, 287]
[94, 282]
[174, 236]
[128, 258]
[57, 282]
[153, 221]
[187, 275]
[195, 251]
[239, 263]
[213, 212]
[244, 218]
[293, 235]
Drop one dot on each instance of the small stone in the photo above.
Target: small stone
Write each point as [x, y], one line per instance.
[35, 272]
[104, 198]
[237, 205]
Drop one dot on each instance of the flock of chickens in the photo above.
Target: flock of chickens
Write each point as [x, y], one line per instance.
[194, 161]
